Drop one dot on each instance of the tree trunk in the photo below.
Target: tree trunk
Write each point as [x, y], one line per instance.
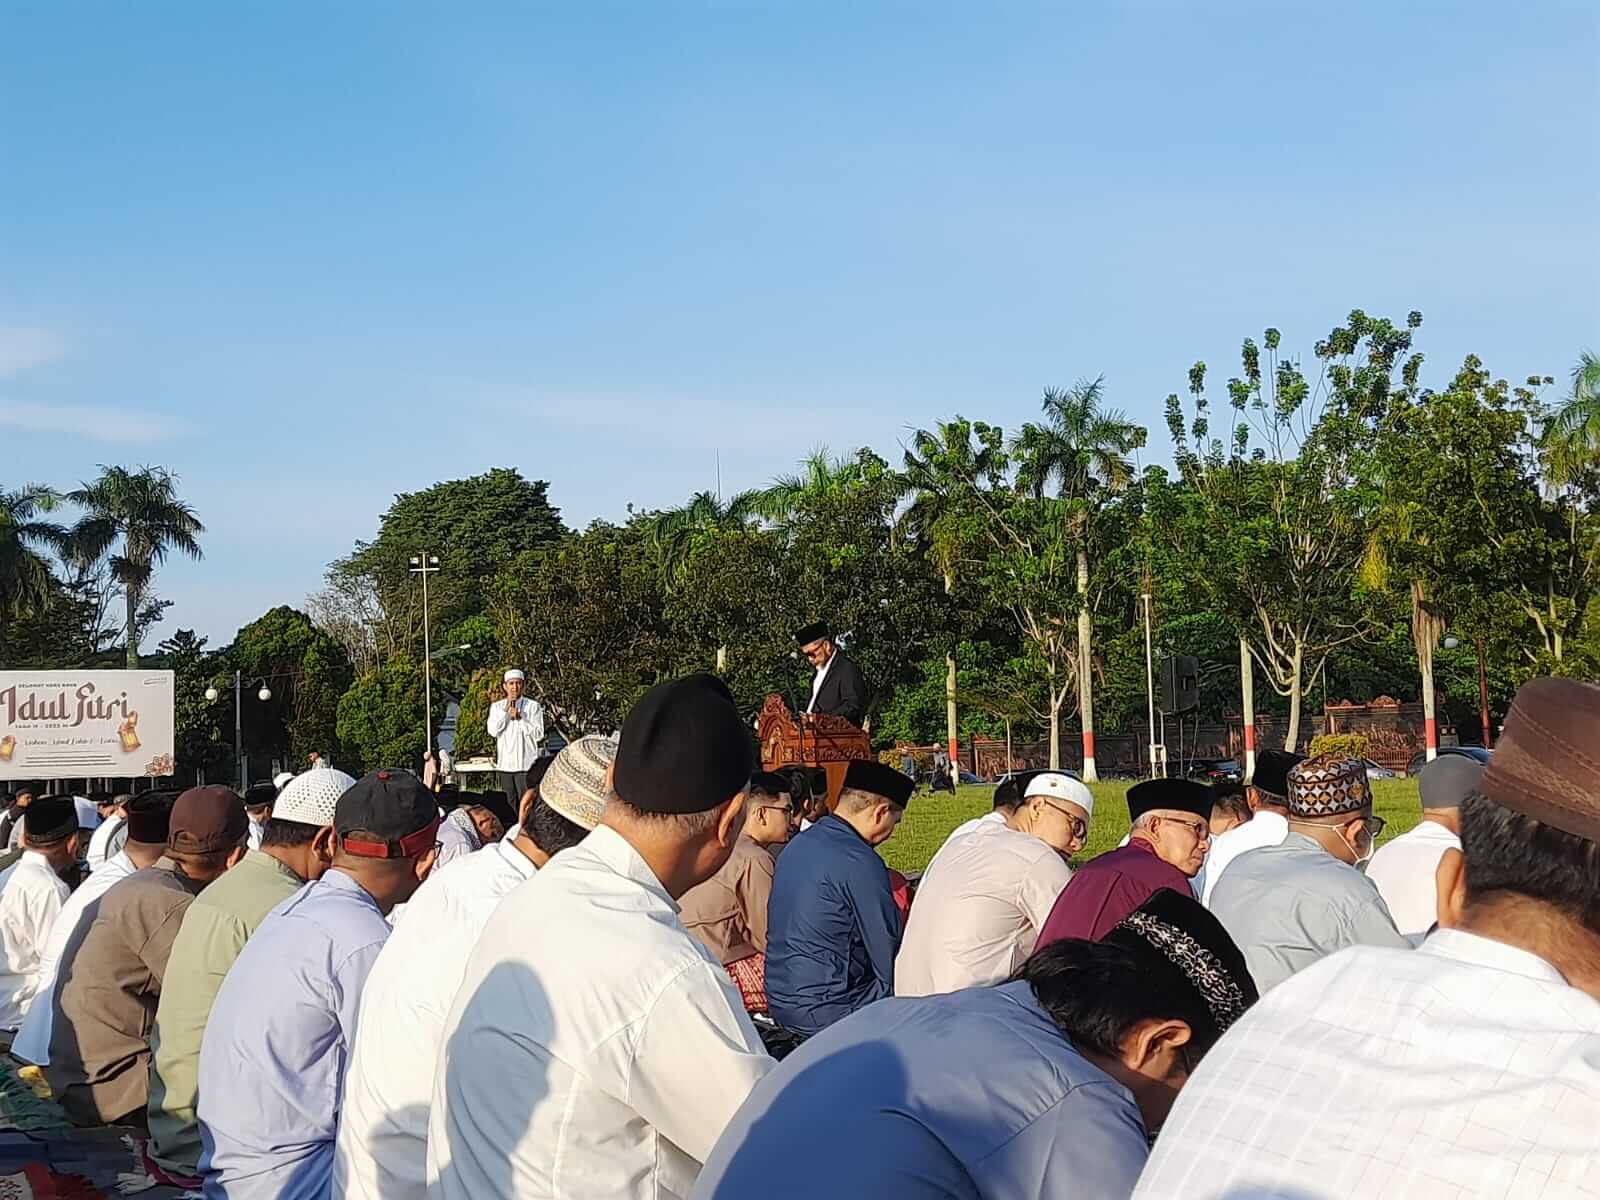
[1086, 667]
[1292, 739]
[1247, 685]
[722, 660]
[133, 634]
[952, 735]
[1425, 630]
[1055, 724]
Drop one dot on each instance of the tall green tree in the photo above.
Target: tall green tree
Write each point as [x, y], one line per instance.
[942, 471]
[676, 533]
[134, 520]
[381, 718]
[1082, 448]
[820, 477]
[27, 582]
[1570, 439]
[307, 673]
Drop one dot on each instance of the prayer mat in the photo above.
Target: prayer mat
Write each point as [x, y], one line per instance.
[750, 976]
[25, 1103]
[39, 1182]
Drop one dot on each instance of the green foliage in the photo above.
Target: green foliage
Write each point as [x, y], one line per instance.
[200, 744]
[307, 673]
[472, 730]
[381, 718]
[1355, 745]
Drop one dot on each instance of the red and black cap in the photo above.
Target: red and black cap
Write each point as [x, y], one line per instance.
[387, 814]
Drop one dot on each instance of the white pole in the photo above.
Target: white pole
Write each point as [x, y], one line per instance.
[427, 664]
[1150, 681]
[238, 736]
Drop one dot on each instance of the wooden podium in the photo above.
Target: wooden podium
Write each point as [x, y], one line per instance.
[810, 740]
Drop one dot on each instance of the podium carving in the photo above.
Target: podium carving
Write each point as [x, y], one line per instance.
[810, 740]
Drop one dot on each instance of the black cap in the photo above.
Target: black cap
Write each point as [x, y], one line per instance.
[50, 818]
[1272, 773]
[1010, 793]
[867, 775]
[150, 817]
[683, 748]
[813, 632]
[261, 794]
[391, 814]
[1183, 795]
[1194, 950]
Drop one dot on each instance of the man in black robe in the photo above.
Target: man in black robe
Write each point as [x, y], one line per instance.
[838, 687]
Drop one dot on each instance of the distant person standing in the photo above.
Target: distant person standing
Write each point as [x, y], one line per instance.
[517, 726]
[838, 688]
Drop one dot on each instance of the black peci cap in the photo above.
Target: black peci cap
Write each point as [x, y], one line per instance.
[683, 748]
[866, 775]
[50, 818]
[1272, 773]
[150, 817]
[813, 632]
[1182, 795]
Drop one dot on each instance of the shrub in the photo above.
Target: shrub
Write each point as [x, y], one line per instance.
[1355, 745]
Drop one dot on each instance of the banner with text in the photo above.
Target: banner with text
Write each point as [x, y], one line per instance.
[85, 724]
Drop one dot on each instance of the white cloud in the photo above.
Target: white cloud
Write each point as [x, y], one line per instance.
[23, 348]
[96, 424]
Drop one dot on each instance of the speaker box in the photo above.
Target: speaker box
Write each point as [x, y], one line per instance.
[1180, 684]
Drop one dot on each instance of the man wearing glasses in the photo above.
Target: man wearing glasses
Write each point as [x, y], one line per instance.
[728, 912]
[838, 687]
[1166, 848]
[977, 918]
[1289, 905]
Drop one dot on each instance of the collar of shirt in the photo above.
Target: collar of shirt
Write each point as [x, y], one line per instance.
[611, 848]
[1430, 831]
[339, 880]
[514, 858]
[822, 673]
[832, 819]
[1487, 952]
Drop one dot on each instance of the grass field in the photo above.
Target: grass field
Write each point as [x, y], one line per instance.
[929, 819]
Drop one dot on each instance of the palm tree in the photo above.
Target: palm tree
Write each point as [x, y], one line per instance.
[942, 471]
[1571, 440]
[1393, 526]
[25, 575]
[141, 509]
[1083, 449]
[819, 476]
[674, 532]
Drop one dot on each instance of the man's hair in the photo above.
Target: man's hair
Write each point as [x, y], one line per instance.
[536, 773]
[1229, 798]
[27, 791]
[551, 831]
[769, 784]
[1096, 992]
[280, 831]
[854, 800]
[201, 862]
[1008, 796]
[1508, 852]
[684, 825]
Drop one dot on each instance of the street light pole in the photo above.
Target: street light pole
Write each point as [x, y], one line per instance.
[238, 732]
[1483, 698]
[426, 564]
[1149, 673]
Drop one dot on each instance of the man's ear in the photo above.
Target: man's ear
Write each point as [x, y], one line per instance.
[425, 863]
[731, 821]
[325, 843]
[237, 856]
[1153, 1044]
[1450, 882]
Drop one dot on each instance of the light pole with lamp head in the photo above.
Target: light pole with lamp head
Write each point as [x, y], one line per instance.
[426, 564]
[263, 695]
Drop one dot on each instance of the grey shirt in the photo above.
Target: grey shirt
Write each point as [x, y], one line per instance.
[1287, 906]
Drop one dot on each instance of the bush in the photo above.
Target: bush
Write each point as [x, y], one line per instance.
[1355, 745]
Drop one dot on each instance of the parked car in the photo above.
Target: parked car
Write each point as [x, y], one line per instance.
[1420, 759]
[1378, 770]
[1217, 770]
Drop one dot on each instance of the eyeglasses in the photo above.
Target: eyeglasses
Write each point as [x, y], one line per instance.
[786, 809]
[1200, 829]
[1080, 830]
[1375, 825]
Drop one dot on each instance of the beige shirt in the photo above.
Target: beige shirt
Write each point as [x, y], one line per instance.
[978, 916]
[728, 912]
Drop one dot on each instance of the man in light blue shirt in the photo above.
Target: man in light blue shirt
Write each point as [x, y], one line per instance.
[273, 1058]
[1043, 1088]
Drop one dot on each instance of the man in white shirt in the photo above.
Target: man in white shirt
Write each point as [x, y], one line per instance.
[32, 893]
[595, 1047]
[147, 820]
[1268, 825]
[382, 1149]
[1404, 869]
[109, 832]
[1469, 1067]
[978, 918]
[517, 726]
[1007, 797]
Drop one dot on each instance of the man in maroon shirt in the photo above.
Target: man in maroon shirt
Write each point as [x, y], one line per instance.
[1166, 848]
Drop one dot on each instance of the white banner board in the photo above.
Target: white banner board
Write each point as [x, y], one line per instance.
[85, 724]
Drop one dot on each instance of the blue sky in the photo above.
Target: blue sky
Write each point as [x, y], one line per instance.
[309, 256]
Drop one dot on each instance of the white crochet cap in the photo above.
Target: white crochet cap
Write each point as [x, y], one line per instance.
[1060, 786]
[281, 778]
[311, 797]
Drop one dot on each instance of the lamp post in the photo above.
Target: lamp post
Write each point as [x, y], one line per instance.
[263, 695]
[426, 564]
[1450, 643]
[1149, 675]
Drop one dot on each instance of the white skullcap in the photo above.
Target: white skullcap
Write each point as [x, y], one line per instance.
[1059, 786]
[513, 673]
[311, 797]
[88, 814]
[281, 778]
